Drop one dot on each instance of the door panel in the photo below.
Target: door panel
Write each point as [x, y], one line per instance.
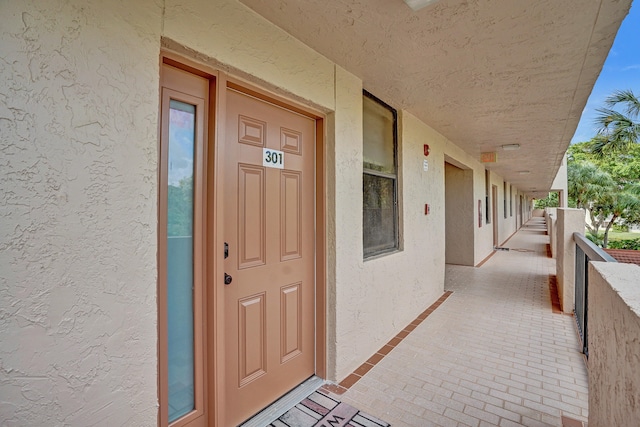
[251, 215]
[290, 212]
[252, 338]
[269, 226]
[290, 321]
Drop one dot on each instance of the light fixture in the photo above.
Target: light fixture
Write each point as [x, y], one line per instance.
[419, 4]
[524, 172]
[510, 147]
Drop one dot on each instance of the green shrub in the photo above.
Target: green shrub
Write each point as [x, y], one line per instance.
[621, 228]
[625, 244]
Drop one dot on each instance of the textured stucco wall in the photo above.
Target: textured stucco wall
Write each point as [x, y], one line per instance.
[569, 221]
[378, 297]
[460, 215]
[242, 41]
[345, 228]
[482, 236]
[368, 302]
[79, 108]
[78, 193]
[561, 185]
[614, 344]
[551, 216]
[506, 227]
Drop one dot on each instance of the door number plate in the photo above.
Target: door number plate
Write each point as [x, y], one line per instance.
[272, 158]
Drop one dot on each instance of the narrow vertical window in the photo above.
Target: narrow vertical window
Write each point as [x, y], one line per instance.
[181, 271]
[379, 182]
[180, 258]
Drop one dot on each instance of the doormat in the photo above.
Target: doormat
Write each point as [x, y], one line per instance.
[319, 410]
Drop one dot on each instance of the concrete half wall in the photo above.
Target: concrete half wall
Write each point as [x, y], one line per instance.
[614, 344]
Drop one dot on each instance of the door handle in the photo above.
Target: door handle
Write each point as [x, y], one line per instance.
[227, 279]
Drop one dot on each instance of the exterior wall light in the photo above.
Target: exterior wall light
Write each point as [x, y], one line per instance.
[510, 147]
[419, 4]
[524, 172]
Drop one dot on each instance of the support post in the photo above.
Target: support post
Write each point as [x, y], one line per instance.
[569, 221]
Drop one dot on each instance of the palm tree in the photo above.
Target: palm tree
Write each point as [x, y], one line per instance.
[618, 130]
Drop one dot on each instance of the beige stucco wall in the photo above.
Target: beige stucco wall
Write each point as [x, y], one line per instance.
[239, 40]
[614, 344]
[78, 194]
[460, 216]
[569, 221]
[561, 185]
[79, 107]
[506, 226]
[551, 217]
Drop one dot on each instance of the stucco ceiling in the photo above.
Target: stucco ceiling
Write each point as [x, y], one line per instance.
[483, 73]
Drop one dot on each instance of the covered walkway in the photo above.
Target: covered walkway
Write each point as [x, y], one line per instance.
[493, 353]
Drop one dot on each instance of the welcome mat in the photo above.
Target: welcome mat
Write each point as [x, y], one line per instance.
[319, 410]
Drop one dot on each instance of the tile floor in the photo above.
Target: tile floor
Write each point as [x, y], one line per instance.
[493, 353]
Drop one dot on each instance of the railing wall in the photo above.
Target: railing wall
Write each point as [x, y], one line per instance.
[585, 251]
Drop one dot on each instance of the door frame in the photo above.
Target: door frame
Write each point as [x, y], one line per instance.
[494, 214]
[214, 224]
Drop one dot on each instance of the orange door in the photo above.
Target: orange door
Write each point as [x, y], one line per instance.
[269, 228]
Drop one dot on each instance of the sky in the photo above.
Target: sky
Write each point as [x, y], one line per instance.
[621, 71]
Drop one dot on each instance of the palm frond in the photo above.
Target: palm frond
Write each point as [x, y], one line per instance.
[627, 97]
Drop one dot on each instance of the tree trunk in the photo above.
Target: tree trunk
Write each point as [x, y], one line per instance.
[605, 242]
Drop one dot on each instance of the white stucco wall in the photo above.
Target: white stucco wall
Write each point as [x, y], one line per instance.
[78, 194]
[614, 344]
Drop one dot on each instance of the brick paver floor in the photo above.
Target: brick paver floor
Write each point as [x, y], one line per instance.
[492, 354]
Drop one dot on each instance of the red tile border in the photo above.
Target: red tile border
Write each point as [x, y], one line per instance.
[349, 381]
[363, 369]
[386, 349]
[402, 334]
[553, 292]
[346, 383]
[410, 327]
[394, 341]
[570, 422]
[487, 258]
[375, 358]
